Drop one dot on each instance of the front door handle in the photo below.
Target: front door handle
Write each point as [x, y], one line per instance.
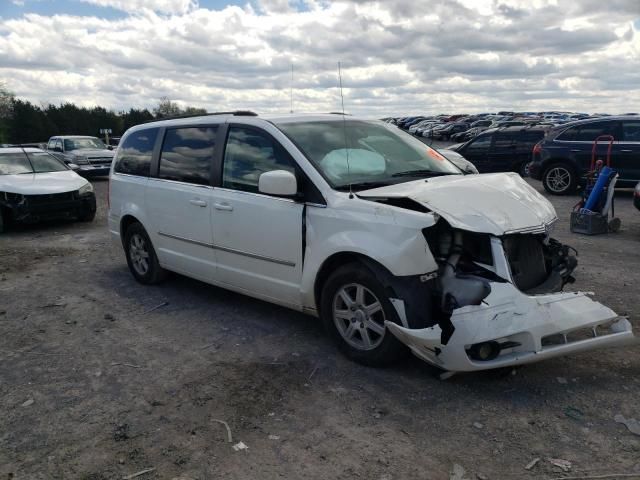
[626, 151]
[197, 202]
[223, 206]
[576, 150]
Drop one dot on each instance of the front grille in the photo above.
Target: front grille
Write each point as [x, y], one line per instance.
[100, 160]
[51, 198]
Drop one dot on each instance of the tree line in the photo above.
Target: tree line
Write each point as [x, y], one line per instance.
[24, 122]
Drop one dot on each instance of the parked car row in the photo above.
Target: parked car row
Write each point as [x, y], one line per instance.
[560, 154]
[463, 127]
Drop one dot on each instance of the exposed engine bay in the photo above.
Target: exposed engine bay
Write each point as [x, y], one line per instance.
[496, 302]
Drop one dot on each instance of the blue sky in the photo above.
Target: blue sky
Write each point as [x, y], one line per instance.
[13, 9]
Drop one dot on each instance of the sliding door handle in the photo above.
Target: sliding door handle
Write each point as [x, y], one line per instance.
[223, 206]
[197, 202]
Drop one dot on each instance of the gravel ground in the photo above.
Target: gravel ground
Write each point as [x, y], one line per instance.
[101, 377]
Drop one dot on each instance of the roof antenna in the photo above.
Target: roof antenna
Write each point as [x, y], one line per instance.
[344, 128]
[291, 88]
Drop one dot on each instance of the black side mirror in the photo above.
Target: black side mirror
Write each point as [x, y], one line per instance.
[109, 147]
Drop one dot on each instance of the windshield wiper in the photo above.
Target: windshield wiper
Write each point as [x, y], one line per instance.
[362, 185]
[420, 173]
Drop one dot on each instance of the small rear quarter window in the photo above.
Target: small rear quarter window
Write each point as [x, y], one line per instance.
[134, 154]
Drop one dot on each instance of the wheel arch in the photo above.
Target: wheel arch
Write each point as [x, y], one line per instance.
[557, 160]
[335, 261]
[125, 222]
[411, 290]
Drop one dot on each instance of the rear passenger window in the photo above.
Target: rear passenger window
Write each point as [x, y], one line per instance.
[503, 141]
[134, 154]
[480, 144]
[569, 135]
[631, 131]
[187, 154]
[590, 131]
[250, 153]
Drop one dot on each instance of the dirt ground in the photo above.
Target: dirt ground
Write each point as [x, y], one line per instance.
[101, 378]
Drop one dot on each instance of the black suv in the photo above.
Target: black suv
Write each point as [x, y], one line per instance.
[505, 149]
[563, 158]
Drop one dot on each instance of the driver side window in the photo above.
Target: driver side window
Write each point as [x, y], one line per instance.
[248, 154]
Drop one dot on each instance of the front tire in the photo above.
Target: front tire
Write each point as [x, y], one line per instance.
[354, 307]
[141, 256]
[559, 179]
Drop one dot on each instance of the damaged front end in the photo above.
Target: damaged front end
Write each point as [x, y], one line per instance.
[498, 303]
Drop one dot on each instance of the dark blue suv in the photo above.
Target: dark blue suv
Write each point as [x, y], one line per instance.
[563, 158]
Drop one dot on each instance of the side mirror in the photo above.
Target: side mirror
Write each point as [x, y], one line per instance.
[110, 147]
[278, 182]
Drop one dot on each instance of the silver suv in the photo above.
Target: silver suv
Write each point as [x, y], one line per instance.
[88, 156]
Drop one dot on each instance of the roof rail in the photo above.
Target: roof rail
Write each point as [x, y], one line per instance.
[238, 113]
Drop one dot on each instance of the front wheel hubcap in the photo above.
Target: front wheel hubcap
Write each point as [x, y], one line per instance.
[139, 254]
[558, 179]
[359, 317]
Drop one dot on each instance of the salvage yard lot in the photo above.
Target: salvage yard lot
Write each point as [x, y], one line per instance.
[102, 377]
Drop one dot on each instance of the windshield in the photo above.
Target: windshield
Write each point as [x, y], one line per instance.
[81, 143]
[365, 153]
[18, 163]
[43, 162]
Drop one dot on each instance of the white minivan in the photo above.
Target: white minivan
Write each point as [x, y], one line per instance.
[360, 224]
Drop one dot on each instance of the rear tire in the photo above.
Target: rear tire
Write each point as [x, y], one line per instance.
[2, 223]
[353, 308]
[141, 256]
[559, 179]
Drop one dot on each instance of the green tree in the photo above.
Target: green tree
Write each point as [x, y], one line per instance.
[134, 117]
[167, 108]
[29, 123]
[195, 111]
[6, 112]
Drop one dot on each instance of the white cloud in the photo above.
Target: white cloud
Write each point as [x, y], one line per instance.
[398, 57]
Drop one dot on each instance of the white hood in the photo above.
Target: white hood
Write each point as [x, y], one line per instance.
[41, 183]
[495, 203]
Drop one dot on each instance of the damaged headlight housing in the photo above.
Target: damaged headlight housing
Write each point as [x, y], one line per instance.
[87, 188]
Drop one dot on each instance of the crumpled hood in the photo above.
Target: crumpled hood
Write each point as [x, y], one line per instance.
[495, 203]
[91, 152]
[41, 183]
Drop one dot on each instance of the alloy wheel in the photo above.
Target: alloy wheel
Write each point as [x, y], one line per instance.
[139, 254]
[359, 316]
[558, 179]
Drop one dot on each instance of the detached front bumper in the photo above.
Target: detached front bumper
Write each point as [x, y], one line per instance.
[528, 328]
